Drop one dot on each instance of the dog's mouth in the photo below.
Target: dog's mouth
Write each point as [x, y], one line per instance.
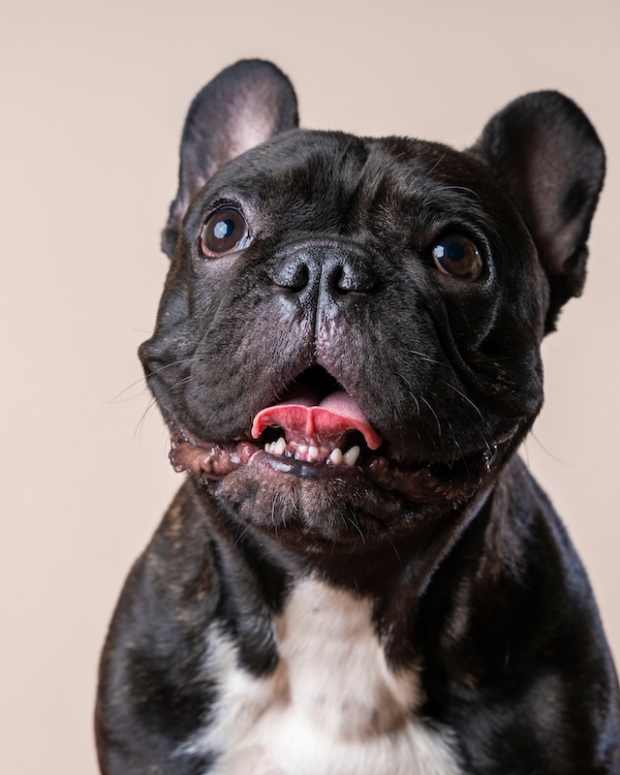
[316, 424]
[317, 429]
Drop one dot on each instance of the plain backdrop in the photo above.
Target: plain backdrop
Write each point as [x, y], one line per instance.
[93, 97]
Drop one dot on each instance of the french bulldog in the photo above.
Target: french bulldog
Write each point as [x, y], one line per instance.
[359, 575]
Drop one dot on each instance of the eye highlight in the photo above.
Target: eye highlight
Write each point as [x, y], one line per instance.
[224, 231]
[458, 256]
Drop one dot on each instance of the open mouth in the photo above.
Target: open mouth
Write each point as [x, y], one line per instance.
[316, 424]
[318, 429]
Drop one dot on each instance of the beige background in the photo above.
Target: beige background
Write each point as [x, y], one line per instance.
[93, 98]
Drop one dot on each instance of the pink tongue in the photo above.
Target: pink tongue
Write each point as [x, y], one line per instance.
[336, 413]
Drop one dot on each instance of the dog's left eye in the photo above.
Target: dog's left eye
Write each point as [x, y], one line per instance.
[457, 255]
[224, 231]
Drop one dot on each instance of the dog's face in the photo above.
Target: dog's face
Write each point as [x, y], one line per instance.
[349, 335]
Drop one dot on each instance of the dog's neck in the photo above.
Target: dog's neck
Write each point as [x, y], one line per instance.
[393, 576]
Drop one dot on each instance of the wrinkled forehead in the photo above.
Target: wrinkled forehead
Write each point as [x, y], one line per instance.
[339, 169]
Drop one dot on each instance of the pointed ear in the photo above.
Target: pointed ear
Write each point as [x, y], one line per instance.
[548, 156]
[245, 105]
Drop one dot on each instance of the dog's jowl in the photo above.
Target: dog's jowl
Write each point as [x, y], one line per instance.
[359, 576]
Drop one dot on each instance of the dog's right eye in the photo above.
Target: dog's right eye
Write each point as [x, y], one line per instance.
[458, 256]
[225, 231]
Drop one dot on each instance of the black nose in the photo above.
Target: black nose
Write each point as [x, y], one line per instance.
[329, 269]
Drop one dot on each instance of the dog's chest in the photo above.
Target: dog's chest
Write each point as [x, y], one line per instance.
[332, 706]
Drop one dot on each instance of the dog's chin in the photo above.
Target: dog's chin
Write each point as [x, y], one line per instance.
[312, 506]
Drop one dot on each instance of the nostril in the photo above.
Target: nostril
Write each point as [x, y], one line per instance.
[299, 278]
[347, 279]
[294, 276]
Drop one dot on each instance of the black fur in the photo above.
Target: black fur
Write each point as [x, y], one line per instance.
[477, 581]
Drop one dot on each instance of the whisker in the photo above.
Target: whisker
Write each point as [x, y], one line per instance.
[398, 557]
[457, 444]
[410, 389]
[465, 398]
[478, 412]
[131, 385]
[545, 450]
[273, 513]
[242, 534]
[434, 413]
[352, 521]
[424, 357]
[156, 372]
[140, 422]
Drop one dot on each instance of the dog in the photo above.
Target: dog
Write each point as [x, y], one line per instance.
[359, 575]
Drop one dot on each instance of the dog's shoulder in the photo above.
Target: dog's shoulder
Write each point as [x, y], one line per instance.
[153, 689]
[513, 608]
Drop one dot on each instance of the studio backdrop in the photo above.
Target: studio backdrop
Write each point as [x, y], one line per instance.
[94, 94]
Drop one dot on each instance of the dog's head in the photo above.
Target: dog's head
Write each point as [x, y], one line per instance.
[348, 338]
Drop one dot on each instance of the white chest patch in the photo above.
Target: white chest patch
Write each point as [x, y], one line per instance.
[332, 706]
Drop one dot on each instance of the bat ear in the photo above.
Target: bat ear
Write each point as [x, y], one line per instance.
[245, 105]
[548, 156]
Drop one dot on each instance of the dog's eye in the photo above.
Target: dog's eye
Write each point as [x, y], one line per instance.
[458, 256]
[224, 231]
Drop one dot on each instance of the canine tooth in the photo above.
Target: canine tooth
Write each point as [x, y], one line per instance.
[350, 457]
[269, 448]
[279, 446]
[313, 453]
[336, 457]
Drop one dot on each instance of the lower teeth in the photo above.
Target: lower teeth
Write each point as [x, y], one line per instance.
[350, 457]
[312, 453]
[336, 457]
